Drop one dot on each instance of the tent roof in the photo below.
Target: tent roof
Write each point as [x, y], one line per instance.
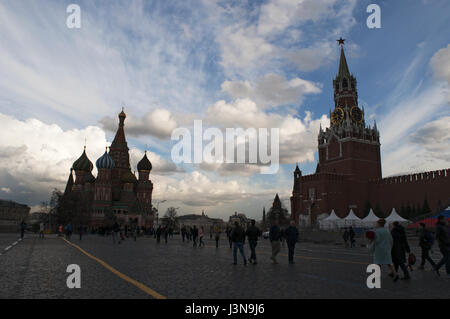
[371, 217]
[332, 217]
[352, 216]
[394, 217]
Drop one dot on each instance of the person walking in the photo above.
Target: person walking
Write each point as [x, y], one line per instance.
[345, 236]
[426, 241]
[158, 234]
[381, 245]
[22, 229]
[166, 233]
[291, 234]
[252, 234]
[400, 247]
[229, 229]
[115, 233]
[201, 233]
[80, 231]
[238, 239]
[183, 232]
[442, 236]
[69, 231]
[41, 230]
[351, 237]
[217, 235]
[194, 236]
[275, 241]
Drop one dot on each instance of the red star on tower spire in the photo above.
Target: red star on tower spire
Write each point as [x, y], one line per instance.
[341, 41]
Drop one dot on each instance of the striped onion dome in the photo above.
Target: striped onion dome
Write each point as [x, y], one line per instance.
[83, 163]
[105, 162]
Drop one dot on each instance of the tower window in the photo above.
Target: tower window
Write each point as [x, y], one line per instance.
[345, 83]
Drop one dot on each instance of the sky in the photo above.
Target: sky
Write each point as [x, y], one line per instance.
[249, 64]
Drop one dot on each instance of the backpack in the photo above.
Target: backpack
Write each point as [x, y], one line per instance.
[429, 238]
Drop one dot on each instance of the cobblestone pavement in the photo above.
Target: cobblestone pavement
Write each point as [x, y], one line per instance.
[36, 268]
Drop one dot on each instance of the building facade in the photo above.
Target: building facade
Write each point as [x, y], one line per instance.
[348, 174]
[116, 193]
[11, 215]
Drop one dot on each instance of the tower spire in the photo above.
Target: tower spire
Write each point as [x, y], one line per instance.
[343, 66]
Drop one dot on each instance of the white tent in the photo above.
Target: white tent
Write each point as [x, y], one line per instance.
[394, 217]
[331, 222]
[370, 220]
[352, 219]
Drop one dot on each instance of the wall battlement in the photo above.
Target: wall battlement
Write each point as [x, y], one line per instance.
[414, 178]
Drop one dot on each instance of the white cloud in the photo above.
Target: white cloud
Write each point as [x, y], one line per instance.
[298, 137]
[6, 190]
[38, 156]
[277, 15]
[272, 90]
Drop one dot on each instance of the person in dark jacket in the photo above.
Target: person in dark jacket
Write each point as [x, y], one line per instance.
[442, 238]
[275, 241]
[238, 238]
[351, 237]
[158, 234]
[252, 234]
[399, 249]
[183, 232]
[229, 229]
[291, 235]
[345, 237]
[425, 243]
[194, 236]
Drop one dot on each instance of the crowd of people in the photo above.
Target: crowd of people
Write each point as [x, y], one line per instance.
[391, 248]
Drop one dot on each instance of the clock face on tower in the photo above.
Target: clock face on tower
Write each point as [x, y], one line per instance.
[337, 116]
[356, 114]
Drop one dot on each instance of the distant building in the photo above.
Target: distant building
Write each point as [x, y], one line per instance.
[11, 215]
[200, 220]
[240, 218]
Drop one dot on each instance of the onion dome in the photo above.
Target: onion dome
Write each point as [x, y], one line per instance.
[89, 178]
[129, 177]
[144, 164]
[105, 162]
[83, 163]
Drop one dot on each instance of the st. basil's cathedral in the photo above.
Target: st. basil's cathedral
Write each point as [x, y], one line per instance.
[115, 193]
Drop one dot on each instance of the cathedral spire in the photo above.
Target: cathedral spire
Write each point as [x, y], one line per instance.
[69, 184]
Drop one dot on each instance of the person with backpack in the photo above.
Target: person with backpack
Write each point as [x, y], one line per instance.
[426, 241]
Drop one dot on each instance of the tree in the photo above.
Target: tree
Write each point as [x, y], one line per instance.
[378, 211]
[170, 217]
[278, 213]
[425, 208]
